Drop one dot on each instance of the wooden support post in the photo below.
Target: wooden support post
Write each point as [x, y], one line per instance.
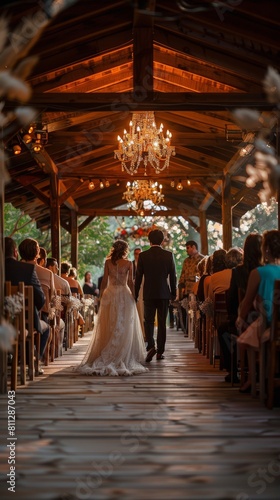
[227, 213]
[203, 232]
[3, 355]
[55, 217]
[74, 238]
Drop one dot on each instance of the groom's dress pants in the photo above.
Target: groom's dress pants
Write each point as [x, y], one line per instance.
[152, 306]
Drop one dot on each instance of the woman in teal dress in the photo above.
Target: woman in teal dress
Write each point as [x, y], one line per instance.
[259, 296]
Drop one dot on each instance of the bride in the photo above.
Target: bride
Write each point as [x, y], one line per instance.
[117, 346]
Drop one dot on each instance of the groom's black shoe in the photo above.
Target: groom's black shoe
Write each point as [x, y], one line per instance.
[150, 354]
[159, 356]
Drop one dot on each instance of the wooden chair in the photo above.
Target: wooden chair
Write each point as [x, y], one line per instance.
[57, 341]
[220, 317]
[18, 321]
[273, 380]
[33, 336]
[49, 351]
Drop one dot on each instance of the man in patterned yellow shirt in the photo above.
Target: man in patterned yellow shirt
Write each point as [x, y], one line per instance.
[189, 273]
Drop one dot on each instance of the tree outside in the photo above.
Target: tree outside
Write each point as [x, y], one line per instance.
[97, 238]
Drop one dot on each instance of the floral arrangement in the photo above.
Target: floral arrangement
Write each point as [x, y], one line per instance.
[266, 168]
[72, 303]
[13, 305]
[133, 232]
[185, 303]
[56, 306]
[207, 308]
[88, 303]
[7, 335]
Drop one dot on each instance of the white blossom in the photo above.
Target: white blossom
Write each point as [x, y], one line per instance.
[271, 85]
[7, 336]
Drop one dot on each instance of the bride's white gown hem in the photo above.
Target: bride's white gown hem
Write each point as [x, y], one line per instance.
[117, 347]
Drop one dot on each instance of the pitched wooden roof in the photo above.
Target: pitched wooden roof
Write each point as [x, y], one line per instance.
[191, 62]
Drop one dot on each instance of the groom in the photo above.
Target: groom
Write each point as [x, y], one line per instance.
[158, 268]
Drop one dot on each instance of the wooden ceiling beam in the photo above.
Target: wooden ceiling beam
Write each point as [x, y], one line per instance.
[230, 57]
[182, 101]
[98, 212]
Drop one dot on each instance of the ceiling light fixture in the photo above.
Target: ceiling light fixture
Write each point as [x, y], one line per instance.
[143, 196]
[179, 186]
[16, 149]
[144, 142]
[27, 138]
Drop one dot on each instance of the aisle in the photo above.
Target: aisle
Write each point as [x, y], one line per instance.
[176, 432]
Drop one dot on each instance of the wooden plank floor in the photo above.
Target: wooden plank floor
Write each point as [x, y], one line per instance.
[176, 432]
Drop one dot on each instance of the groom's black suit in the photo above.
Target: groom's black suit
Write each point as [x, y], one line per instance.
[158, 268]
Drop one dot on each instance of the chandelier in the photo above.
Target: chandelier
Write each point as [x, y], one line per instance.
[144, 142]
[143, 196]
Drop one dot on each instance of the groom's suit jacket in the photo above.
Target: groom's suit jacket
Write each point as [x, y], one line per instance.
[158, 268]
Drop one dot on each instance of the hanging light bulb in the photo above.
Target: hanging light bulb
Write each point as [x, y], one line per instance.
[27, 138]
[91, 185]
[101, 185]
[107, 184]
[188, 182]
[16, 149]
[179, 186]
[172, 184]
[37, 146]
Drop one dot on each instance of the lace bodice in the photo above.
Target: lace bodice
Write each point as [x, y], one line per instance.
[119, 274]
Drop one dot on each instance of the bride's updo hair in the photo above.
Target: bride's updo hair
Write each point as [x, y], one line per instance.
[118, 251]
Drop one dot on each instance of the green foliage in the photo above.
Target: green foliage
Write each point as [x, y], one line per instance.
[20, 226]
[97, 238]
[95, 242]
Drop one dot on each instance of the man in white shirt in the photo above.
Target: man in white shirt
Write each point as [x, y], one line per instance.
[59, 282]
[62, 285]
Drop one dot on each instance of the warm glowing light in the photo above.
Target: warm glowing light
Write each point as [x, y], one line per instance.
[144, 142]
[143, 196]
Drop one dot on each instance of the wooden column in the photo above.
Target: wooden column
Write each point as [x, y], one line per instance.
[74, 238]
[55, 217]
[3, 355]
[227, 213]
[203, 232]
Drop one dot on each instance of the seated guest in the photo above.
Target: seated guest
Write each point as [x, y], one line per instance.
[220, 281]
[62, 285]
[30, 252]
[252, 257]
[201, 272]
[207, 273]
[70, 275]
[45, 277]
[259, 296]
[218, 264]
[90, 288]
[59, 282]
[15, 272]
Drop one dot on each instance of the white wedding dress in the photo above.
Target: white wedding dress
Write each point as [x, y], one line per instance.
[117, 346]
